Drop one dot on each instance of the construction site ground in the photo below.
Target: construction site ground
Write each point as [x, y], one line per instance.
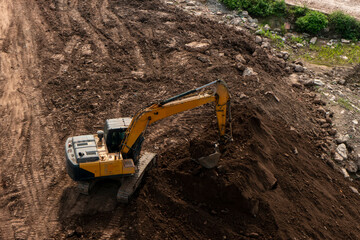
[66, 66]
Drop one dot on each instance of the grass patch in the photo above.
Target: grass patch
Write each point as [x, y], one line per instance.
[344, 103]
[278, 40]
[295, 39]
[332, 55]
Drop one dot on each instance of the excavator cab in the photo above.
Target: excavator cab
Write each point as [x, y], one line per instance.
[115, 133]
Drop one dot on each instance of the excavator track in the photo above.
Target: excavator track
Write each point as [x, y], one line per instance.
[130, 184]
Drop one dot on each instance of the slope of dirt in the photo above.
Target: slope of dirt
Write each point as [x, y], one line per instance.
[102, 59]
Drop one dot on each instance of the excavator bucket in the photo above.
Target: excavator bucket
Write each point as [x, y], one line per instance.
[211, 160]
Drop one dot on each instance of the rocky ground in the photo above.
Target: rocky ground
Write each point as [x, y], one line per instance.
[66, 66]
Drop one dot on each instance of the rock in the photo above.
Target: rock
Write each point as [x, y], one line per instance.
[285, 55]
[254, 25]
[197, 46]
[338, 158]
[313, 40]
[259, 31]
[249, 72]
[318, 82]
[240, 58]
[243, 96]
[295, 151]
[341, 149]
[250, 19]
[240, 66]
[344, 58]
[265, 45]
[299, 45]
[341, 81]
[266, 27]
[351, 167]
[342, 139]
[70, 233]
[254, 235]
[355, 122]
[345, 41]
[306, 35]
[79, 230]
[318, 101]
[219, 13]
[287, 26]
[332, 132]
[258, 39]
[191, 4]
[354, 190]
[321, 111]
[236, 21]
[244, 13]
[344, 172]
[279, 55]
[299, 68]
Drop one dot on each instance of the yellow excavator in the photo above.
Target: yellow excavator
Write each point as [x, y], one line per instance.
[115, 152]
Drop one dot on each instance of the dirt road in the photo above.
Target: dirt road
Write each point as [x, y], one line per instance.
[30, 150]
[351, 7]
[66, 66]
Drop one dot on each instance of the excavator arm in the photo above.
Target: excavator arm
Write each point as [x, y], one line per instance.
[175, 105]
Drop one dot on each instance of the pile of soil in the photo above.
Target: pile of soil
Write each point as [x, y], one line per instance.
[270, 182]
[105, 59]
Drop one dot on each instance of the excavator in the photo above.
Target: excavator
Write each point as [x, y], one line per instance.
[115, 151]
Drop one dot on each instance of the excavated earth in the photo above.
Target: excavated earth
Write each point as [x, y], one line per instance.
[66, 66]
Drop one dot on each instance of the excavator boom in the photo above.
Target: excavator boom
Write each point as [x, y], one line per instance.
[176, 105]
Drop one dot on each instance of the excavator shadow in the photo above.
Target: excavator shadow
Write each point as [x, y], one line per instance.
[102, 198]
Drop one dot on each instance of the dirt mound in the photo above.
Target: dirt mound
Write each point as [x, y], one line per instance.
[270, 182]
[99, 59]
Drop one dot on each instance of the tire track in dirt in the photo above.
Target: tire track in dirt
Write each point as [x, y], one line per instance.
[104, 16]
[27, 130]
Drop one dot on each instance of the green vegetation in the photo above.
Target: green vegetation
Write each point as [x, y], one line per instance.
[295, 39]
[313, 22]
[345, 25]
[260, 8]
[344, 103]
[278, 40]
[296, 12]
[334, 55]
[306, 20]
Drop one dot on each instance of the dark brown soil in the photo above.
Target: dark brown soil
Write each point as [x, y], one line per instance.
[108, 59]
[201, 148]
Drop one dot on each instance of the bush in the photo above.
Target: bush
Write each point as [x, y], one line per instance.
[345, 25]
[279, 7]
[296, 12]
[261, 8]
[232, 4]
[313, 22]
